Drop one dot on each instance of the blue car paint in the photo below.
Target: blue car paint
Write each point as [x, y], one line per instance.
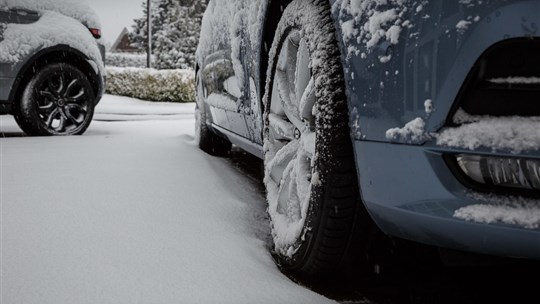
[432, 65]
[407, 187]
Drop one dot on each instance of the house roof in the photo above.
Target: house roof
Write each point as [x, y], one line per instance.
[116, 44]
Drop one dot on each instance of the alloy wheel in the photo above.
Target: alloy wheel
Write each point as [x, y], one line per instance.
[291, 144]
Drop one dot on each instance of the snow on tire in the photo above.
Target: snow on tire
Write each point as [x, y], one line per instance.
[310, 175]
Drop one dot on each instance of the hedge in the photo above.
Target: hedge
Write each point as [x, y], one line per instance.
[151, 84]
[125, 60]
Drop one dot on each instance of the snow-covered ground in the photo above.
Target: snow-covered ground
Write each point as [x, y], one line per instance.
[132, 212]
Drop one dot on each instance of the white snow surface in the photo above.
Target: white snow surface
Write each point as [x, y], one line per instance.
[428, 106]
[52, 29]
[514, 133]
[516, 80]
[463, 25]
[185, 74]
[413, 132]
[498, 209]
[76, 9]
[132, 212]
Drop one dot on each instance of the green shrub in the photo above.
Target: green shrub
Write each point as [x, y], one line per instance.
[152, 85]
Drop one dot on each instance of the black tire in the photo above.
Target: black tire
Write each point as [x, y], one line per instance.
[206, 139]
[334, 238]
[58, 100]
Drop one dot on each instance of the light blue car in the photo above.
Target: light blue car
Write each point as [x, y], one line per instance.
[417, 119]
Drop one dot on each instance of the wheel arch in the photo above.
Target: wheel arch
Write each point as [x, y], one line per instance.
[57, 54]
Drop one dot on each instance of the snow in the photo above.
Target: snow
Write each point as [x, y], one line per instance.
[124, 60]
[52, 29]
[392, 34]
[375, 26]
[175, 32]
[499, 209]
[366, 23]
[514, 133]
[221, 102]
[463, 25]
[287, 225]
[151, 84]
[132, 212]
[413, 132]
[144, 71]
[516, 80]
[225, 21]
[76, 9]
[428, 106]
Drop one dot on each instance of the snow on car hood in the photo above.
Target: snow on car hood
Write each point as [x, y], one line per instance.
[76, 9]
[21, 40]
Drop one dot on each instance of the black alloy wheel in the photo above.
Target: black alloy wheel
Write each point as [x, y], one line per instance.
[58, 100]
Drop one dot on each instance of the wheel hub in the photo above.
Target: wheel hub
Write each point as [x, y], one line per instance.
[297, 133]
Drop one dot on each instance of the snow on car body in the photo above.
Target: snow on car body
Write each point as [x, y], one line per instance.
[33, 36]
[410, 71]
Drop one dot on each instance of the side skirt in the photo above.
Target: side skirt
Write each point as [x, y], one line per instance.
[241, 142]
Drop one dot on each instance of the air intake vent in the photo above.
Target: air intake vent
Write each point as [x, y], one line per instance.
[505, 81]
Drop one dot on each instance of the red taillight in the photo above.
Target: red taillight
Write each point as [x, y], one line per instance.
[96, 33]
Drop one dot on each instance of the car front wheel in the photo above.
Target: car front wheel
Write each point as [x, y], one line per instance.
[318, 220]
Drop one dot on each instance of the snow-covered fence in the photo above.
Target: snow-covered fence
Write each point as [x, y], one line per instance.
[150, 84]
[125, 60]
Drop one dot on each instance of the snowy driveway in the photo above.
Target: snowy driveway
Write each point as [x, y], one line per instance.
[132, 212]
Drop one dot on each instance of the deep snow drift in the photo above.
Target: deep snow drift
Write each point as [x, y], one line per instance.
[132, 212]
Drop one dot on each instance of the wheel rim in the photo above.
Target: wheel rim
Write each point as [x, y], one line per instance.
[62, 103]
[291, 142]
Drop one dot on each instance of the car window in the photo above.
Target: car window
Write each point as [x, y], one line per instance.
[16, 15]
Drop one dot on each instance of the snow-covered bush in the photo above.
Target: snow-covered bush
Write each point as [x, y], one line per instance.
[125, 60]
[150, 84]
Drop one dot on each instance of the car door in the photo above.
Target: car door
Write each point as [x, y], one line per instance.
[229, 67]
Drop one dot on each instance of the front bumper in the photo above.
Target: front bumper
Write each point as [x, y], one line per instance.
[411, 193]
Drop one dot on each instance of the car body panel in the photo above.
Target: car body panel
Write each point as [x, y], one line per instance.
[414, 71]
[430, 61]
[432, 65]
[228, 58]
[411, 193]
